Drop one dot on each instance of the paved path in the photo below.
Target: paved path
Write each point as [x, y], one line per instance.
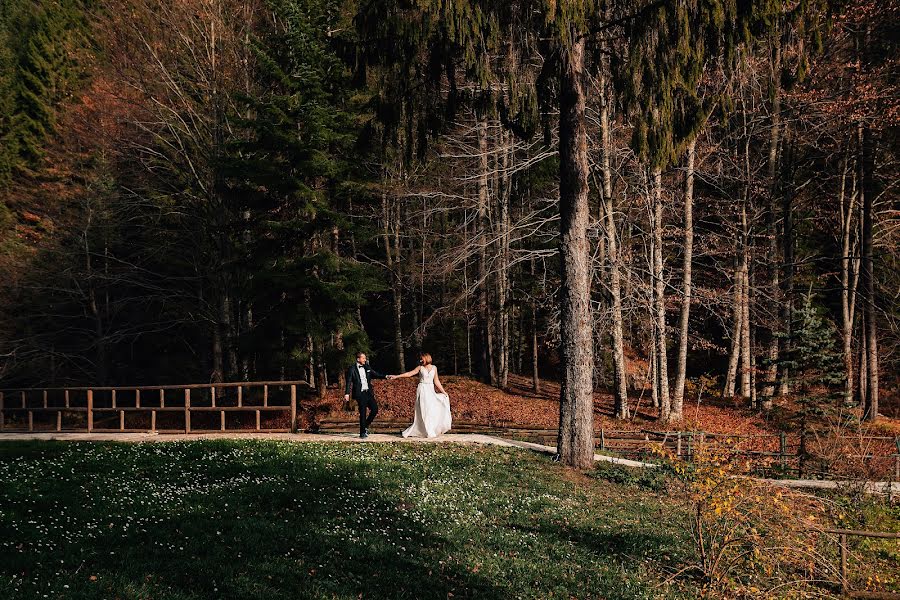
[450, 438]
[872, 487]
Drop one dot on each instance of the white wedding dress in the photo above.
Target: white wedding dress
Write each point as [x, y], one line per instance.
[432, 409]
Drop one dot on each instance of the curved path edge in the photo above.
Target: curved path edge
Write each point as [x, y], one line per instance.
[872, 487]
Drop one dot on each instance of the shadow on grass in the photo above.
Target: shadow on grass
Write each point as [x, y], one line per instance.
[286, 525]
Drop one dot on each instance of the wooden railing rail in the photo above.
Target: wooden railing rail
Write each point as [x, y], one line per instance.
[23, 400]
[845, 553]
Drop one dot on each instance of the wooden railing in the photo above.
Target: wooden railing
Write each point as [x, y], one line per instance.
[94, 406]
[843, 534]
[771, 451]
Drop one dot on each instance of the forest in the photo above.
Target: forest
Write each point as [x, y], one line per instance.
[648, 197]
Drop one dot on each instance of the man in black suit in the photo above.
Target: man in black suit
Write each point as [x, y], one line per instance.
[359, 385]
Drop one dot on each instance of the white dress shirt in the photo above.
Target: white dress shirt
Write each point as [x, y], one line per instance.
[363, 380]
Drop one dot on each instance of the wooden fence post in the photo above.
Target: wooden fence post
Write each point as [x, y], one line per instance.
[602, 440]
[678, 445]
[90, 411]
[896, 443]
[782, 448]
[845, 587]
[187, 410]
[293, 409]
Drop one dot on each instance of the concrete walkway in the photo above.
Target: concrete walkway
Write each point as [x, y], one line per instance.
[872, 487]
[450, 438]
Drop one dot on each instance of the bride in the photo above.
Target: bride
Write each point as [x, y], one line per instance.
[432, 409]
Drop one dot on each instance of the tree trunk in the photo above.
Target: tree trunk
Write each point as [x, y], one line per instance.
[392, 255]
[849, 276]
[535, 375]
[771, 375]
[787, 297]
[218, 355]
[485, 331]
[863, 359]
[620, 383]
[745, 307]
[737, 327]
[576, 427]
[503, 196]
[662, 371]
[678, 398]
[867, 164]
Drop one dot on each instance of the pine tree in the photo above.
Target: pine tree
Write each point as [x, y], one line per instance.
[49, 66]
[298, 170]
[813, 359]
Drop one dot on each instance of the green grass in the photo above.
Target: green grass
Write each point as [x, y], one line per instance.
[236, 519]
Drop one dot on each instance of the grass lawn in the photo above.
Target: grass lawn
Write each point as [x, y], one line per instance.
[261, 519]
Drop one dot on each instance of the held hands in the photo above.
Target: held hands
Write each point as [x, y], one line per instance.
[390, 377]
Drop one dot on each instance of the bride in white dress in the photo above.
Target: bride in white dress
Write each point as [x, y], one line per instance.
[432, 408]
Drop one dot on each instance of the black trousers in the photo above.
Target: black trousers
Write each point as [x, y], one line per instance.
[366, 401]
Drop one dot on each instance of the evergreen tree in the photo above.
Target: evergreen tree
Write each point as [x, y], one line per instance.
[297, 174]
[51, 43]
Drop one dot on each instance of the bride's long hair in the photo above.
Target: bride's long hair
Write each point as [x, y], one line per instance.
[425, 357]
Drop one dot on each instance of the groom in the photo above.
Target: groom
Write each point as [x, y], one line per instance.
[359, 385]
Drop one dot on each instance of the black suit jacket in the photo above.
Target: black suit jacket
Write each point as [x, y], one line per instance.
[354, 384]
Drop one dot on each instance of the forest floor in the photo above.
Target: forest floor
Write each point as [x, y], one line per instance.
[270, 519]
[519, 406]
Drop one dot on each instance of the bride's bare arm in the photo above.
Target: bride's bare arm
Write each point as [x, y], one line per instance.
[437, 382]
[407, 374]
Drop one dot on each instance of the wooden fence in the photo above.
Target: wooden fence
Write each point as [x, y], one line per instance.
[843, 534]
[105, 408]
[770, 452]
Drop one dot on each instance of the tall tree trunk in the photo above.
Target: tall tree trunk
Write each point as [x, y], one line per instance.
[745, 307]
[218, 354]
[576, 424]
[737, 327]
[771, 333]
[503, 196]
[787, 235]
[468, 312]
[485, 331]
[535, 374]
[867, 164]
[338, 334]
[849, 275]
[678, 398]
[620, 383]
[662, 371]
[392, 255]
[863, 358]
